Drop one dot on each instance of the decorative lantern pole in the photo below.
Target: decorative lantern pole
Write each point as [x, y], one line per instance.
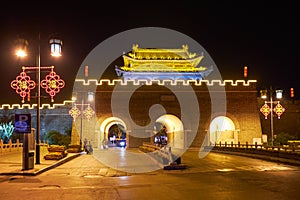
[88, 112]
[52, 82]
[266, 109]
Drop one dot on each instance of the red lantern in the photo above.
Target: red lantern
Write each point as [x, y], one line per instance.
[245, 72]
[292, 93]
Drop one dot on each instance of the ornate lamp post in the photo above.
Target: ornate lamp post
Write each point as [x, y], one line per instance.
[51, 83]
[88, 112]
[266, 109]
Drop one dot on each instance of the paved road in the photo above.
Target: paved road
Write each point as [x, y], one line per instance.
[217, 176]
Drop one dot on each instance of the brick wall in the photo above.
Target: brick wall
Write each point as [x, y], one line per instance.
[240, 102]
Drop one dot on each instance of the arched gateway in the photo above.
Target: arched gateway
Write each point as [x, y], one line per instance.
[154, 101]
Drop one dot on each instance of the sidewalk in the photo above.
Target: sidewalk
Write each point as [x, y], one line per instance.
[12, 163]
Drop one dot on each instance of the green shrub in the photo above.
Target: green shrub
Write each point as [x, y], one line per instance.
[282, 138]
[55, 137]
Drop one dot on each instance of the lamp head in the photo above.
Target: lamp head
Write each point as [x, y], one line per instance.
[90, 96]
[21, 48]
[263, 94]
[279, 94]
[55, 47]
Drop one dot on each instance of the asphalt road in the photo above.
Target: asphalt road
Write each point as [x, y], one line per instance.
[216, 176]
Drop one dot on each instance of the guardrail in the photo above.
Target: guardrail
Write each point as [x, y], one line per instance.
[291, 151]
[292, 146]
[13, 147]
[160, 152]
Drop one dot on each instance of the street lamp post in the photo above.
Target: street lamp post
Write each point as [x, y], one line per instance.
[88, 112]
[38, 117]
[266, 109]
[51, 84]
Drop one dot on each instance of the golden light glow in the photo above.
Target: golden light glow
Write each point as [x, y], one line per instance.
[133, 82]
[56, 54]
[52, 83]
[88, 112]
[165, 82]
[162, 60]
[279, 109]
[74, 112]
[21, 53]
[33, 106]
[21, 47]
[265, 110]
[263, 94]
[23, 85]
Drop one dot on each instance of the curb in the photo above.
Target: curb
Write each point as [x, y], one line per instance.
[175, 167]
[60, 162]
[57, 164]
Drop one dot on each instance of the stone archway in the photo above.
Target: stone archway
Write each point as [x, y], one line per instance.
[106, 126]
[175, 130]
[222, 129]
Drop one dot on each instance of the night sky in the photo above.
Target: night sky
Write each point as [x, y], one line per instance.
[261, 36]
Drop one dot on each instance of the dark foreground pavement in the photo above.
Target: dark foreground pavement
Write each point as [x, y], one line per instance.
[12, 163]
[116, 174]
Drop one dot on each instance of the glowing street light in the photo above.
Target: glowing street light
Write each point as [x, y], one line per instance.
[88, 112]
[55, 47]
[52, 82]
[266, 109]
[21, 48]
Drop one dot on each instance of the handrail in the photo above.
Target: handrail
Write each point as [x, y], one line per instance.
[291, 147]
[13, 147]
[159, 150]
[288, 152]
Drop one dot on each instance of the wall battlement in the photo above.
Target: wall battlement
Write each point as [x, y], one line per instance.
[33, 106]
[107, 82]
[166, 82]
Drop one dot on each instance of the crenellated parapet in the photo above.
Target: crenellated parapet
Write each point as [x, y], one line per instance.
[95, 82]
[92, 84]
[211, 85]
[34, 106]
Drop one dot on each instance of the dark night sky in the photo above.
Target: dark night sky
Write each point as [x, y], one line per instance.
[261, 36]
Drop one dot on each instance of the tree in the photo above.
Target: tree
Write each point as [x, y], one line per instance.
[6, 131]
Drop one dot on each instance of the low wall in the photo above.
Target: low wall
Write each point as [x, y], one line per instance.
[291, 152]
[13, 147]
[10, 147]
